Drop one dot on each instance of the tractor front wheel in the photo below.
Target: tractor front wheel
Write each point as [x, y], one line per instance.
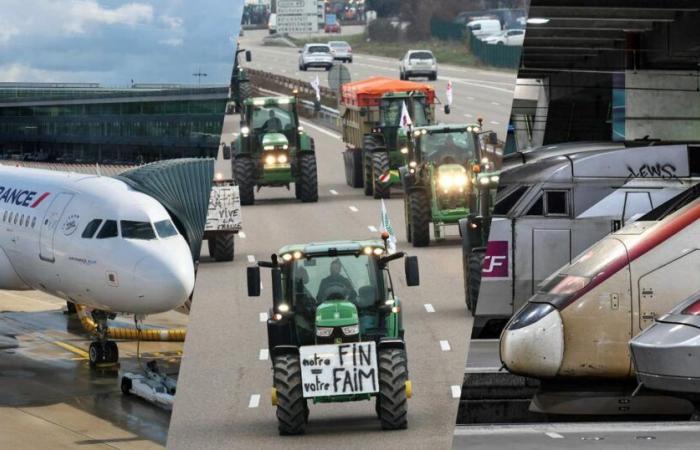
[392, 402]
[419, 216]
[292, 411]
[380, 167]
[307, 181]
[244, 172]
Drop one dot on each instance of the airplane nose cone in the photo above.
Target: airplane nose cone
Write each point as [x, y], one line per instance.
[166, 282]
[532, 344]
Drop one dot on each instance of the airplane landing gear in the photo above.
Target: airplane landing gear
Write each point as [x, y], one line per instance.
[102, 351]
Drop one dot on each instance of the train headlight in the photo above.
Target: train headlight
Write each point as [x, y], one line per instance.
[529, 314]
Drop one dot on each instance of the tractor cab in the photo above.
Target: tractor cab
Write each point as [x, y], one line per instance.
[390, 108]
[271, 115]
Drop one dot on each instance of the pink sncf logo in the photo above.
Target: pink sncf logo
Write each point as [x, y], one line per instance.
[496, 260]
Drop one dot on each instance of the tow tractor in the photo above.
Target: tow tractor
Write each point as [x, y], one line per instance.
[152, 385]
[335, 330]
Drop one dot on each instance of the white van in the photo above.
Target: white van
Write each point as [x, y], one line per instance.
[272, 23]
[482, 28]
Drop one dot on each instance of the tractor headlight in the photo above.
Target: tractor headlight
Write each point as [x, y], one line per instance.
[351, 330]
[268, 148]
[245, 131]
[285, 147]
[484, 181]
[300, 129]
[324, 331]
[282, 159]
[448, 181]
[404, 151]
[495, 178]
[270, 160]
[283, 308]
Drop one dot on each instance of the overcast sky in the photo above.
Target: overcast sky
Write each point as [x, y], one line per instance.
[114, 41]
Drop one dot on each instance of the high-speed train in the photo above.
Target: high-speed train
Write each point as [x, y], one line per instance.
[93, 241]
[549, 211]
[581, 319]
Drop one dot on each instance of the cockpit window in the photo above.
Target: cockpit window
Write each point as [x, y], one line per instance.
[91, 228]
[108, 230]
[504, 205]
[137, 230]
[165, 229]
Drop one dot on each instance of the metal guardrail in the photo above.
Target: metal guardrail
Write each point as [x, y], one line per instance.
[287, 85]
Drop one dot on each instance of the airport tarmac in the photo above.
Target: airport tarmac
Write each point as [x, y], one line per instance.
[50, 398]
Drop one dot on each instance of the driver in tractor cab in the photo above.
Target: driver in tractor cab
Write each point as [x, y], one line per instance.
[273, 124]
[449, 151]
[335, 279]
[305, 302]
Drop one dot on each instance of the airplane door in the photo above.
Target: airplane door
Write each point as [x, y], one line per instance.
[657, 291]
[49, 225]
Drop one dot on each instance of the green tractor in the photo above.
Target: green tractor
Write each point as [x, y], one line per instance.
[335, 330]
[447, 179]
[272, 149]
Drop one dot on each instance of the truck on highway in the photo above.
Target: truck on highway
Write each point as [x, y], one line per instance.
[447, 178]
[335, 329]
[548, 211]
[371, 112]
[273, 150]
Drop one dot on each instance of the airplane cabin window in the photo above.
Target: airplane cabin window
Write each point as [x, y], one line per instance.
[4, 216]
[165, 229]
[91, 228]
[33, 222]
[108, 230]
[137, 230]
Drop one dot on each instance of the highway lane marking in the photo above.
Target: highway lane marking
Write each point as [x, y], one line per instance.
[429, 308]
[554, 435]
[321, 130]
[264, 354]
[495, 103]
[333, 192]
[493, 122]
[372, 229]
[468, 116]
[72, 349]
[445, 346]
[241, 234]
[251, 259]
[353, 208]
[263, 317]
[254, 401]
[456, 391]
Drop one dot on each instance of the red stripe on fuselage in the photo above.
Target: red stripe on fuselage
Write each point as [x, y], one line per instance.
[39, 200]
[650, 239]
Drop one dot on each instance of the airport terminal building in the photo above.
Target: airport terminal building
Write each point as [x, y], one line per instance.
[88, 123]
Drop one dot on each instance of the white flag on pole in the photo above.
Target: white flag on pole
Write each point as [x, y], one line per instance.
[449, 93]
[386, 226]
[406, 121]
[316, 84]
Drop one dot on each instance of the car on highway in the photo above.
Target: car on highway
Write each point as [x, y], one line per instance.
[418, 63]
[513, 37]
[315, 55]
[341, 50]
[332, 25]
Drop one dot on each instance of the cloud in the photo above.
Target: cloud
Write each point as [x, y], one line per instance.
[174, 23]
[17, 72]
[172, 42]
[82, 13]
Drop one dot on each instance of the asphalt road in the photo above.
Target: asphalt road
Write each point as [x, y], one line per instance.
[477, 92]
[225, 378]
[49, 397]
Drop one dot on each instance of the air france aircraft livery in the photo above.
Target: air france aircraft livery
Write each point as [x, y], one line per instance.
[90, 240]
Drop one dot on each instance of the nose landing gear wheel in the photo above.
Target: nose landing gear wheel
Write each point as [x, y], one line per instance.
[96, 353]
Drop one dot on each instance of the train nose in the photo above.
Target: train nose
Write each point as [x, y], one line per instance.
[166, 281]
[532, 344]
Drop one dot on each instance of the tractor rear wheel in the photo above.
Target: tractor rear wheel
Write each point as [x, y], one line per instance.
[476, 262]
[307, 180]
[221, 247]
[245, 91]
[419, 216]
[292, 411]
[244, 173]
[392, 402]
[369, 143]
[407, 214]
[353, 168]
[380, 166]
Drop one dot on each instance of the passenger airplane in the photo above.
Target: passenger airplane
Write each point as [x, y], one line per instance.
[93, 241]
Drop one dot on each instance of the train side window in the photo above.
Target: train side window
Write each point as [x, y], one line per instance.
[108, 230]
[556, 203]
[537, 208]
[91, 228]
[694, 160]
